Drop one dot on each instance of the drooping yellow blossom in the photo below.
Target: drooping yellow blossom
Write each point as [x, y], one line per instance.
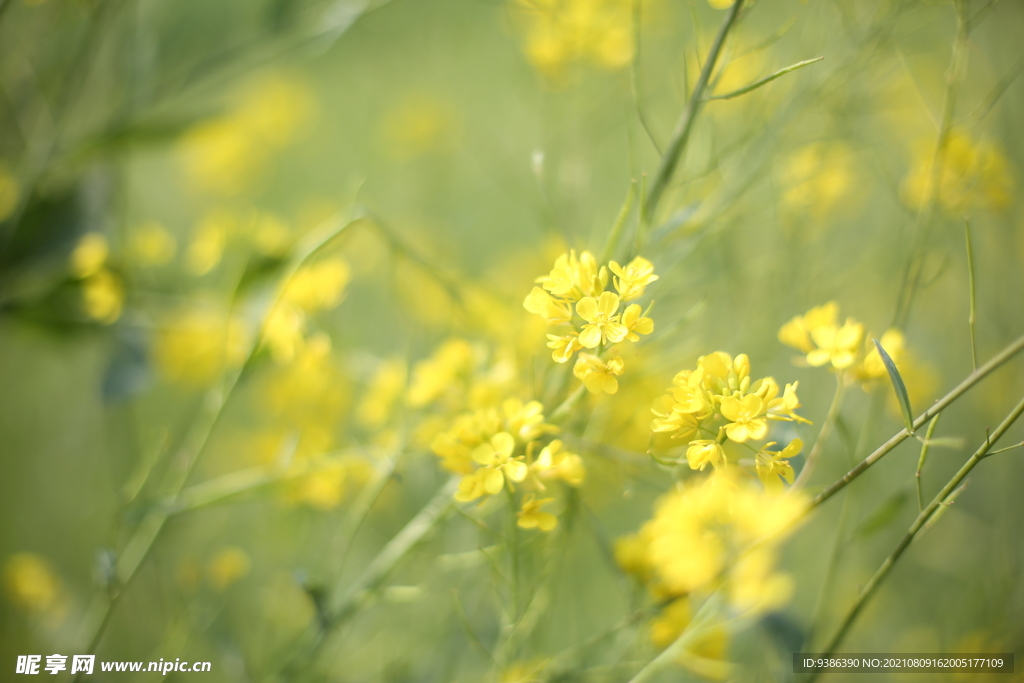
[193, 347]
[531, 516]
[719, 400]
[31, 584]
[597, 375]
[227, 566]
[632, 280]
[151, 244]
[974, 175]
[543, 304]
[89, 255]
[825, 342]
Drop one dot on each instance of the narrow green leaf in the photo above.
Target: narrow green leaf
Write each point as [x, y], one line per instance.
[764, 81]
[899, 386]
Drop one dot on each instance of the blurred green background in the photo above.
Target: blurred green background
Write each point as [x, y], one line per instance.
[480, 139]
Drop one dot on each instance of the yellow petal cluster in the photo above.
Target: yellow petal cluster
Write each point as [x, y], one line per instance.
[719, 403]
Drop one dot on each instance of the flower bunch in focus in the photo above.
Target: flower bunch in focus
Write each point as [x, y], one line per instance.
[718, 403]
[574, 295]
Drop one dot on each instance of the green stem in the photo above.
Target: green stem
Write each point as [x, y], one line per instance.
[970, 279]
[872, 585]
[684, 126]
[921, 460]
[823, 433]
[943, 403]
[671, 653]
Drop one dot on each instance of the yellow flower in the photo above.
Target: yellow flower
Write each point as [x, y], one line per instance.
[498, 463]
[152, 245]
[540, 302]
[671, 420]
[554, 462]
[975, 174]
[704, 452]
[631, 280]
[872, 367]
[838, 345]
[563, 347]
[597, 375]
[746, 418]
[89, 255]
[601, 316]
[532, 517]
[193, 347]
[433, 376]
[635, 323]
[385, 389]
[771, 465]
[228, 566]
[103, 296]
[797, 332]
[756, 586]
[573, 279]
[318, 286]
[525, 421]
[31, 584]
[816, 178]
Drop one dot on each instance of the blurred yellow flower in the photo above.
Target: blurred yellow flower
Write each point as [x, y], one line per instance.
[555, 462]
[531, 516]
[89, 255]
[322, 490]
[103, 296]
[194, 346]
[974, 175]
[818, 335]
[227, 566]
[597, 375]
[816, 178]
[31, 584]
[420, 123]
[384, 390]
[318, 286]
[431, 377]
[150, 244]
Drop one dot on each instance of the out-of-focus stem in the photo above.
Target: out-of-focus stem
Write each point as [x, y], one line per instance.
[872, 585]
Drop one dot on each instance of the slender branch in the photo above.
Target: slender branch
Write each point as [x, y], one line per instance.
[872, 585]
[764, 81]
[681, 134]
[972, 319]
[943, 403]
[922, 458]
[823, 433]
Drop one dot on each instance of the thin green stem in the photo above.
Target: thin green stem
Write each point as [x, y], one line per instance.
[872, 585]
[823, 433]
[764, 81]
[922, 458]
[671, 653]
[684, 126]
[970, 278]
[940, 405]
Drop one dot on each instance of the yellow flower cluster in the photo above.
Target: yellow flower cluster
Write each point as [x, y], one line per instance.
[318, 286]
[819, 336]
[715, 533]
[496, 448]
[974, 175]
[575, 294]
[226, 154]
[560, 33]
[102, 289]
[719, 403]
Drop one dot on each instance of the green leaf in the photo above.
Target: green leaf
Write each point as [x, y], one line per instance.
[899, 386]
